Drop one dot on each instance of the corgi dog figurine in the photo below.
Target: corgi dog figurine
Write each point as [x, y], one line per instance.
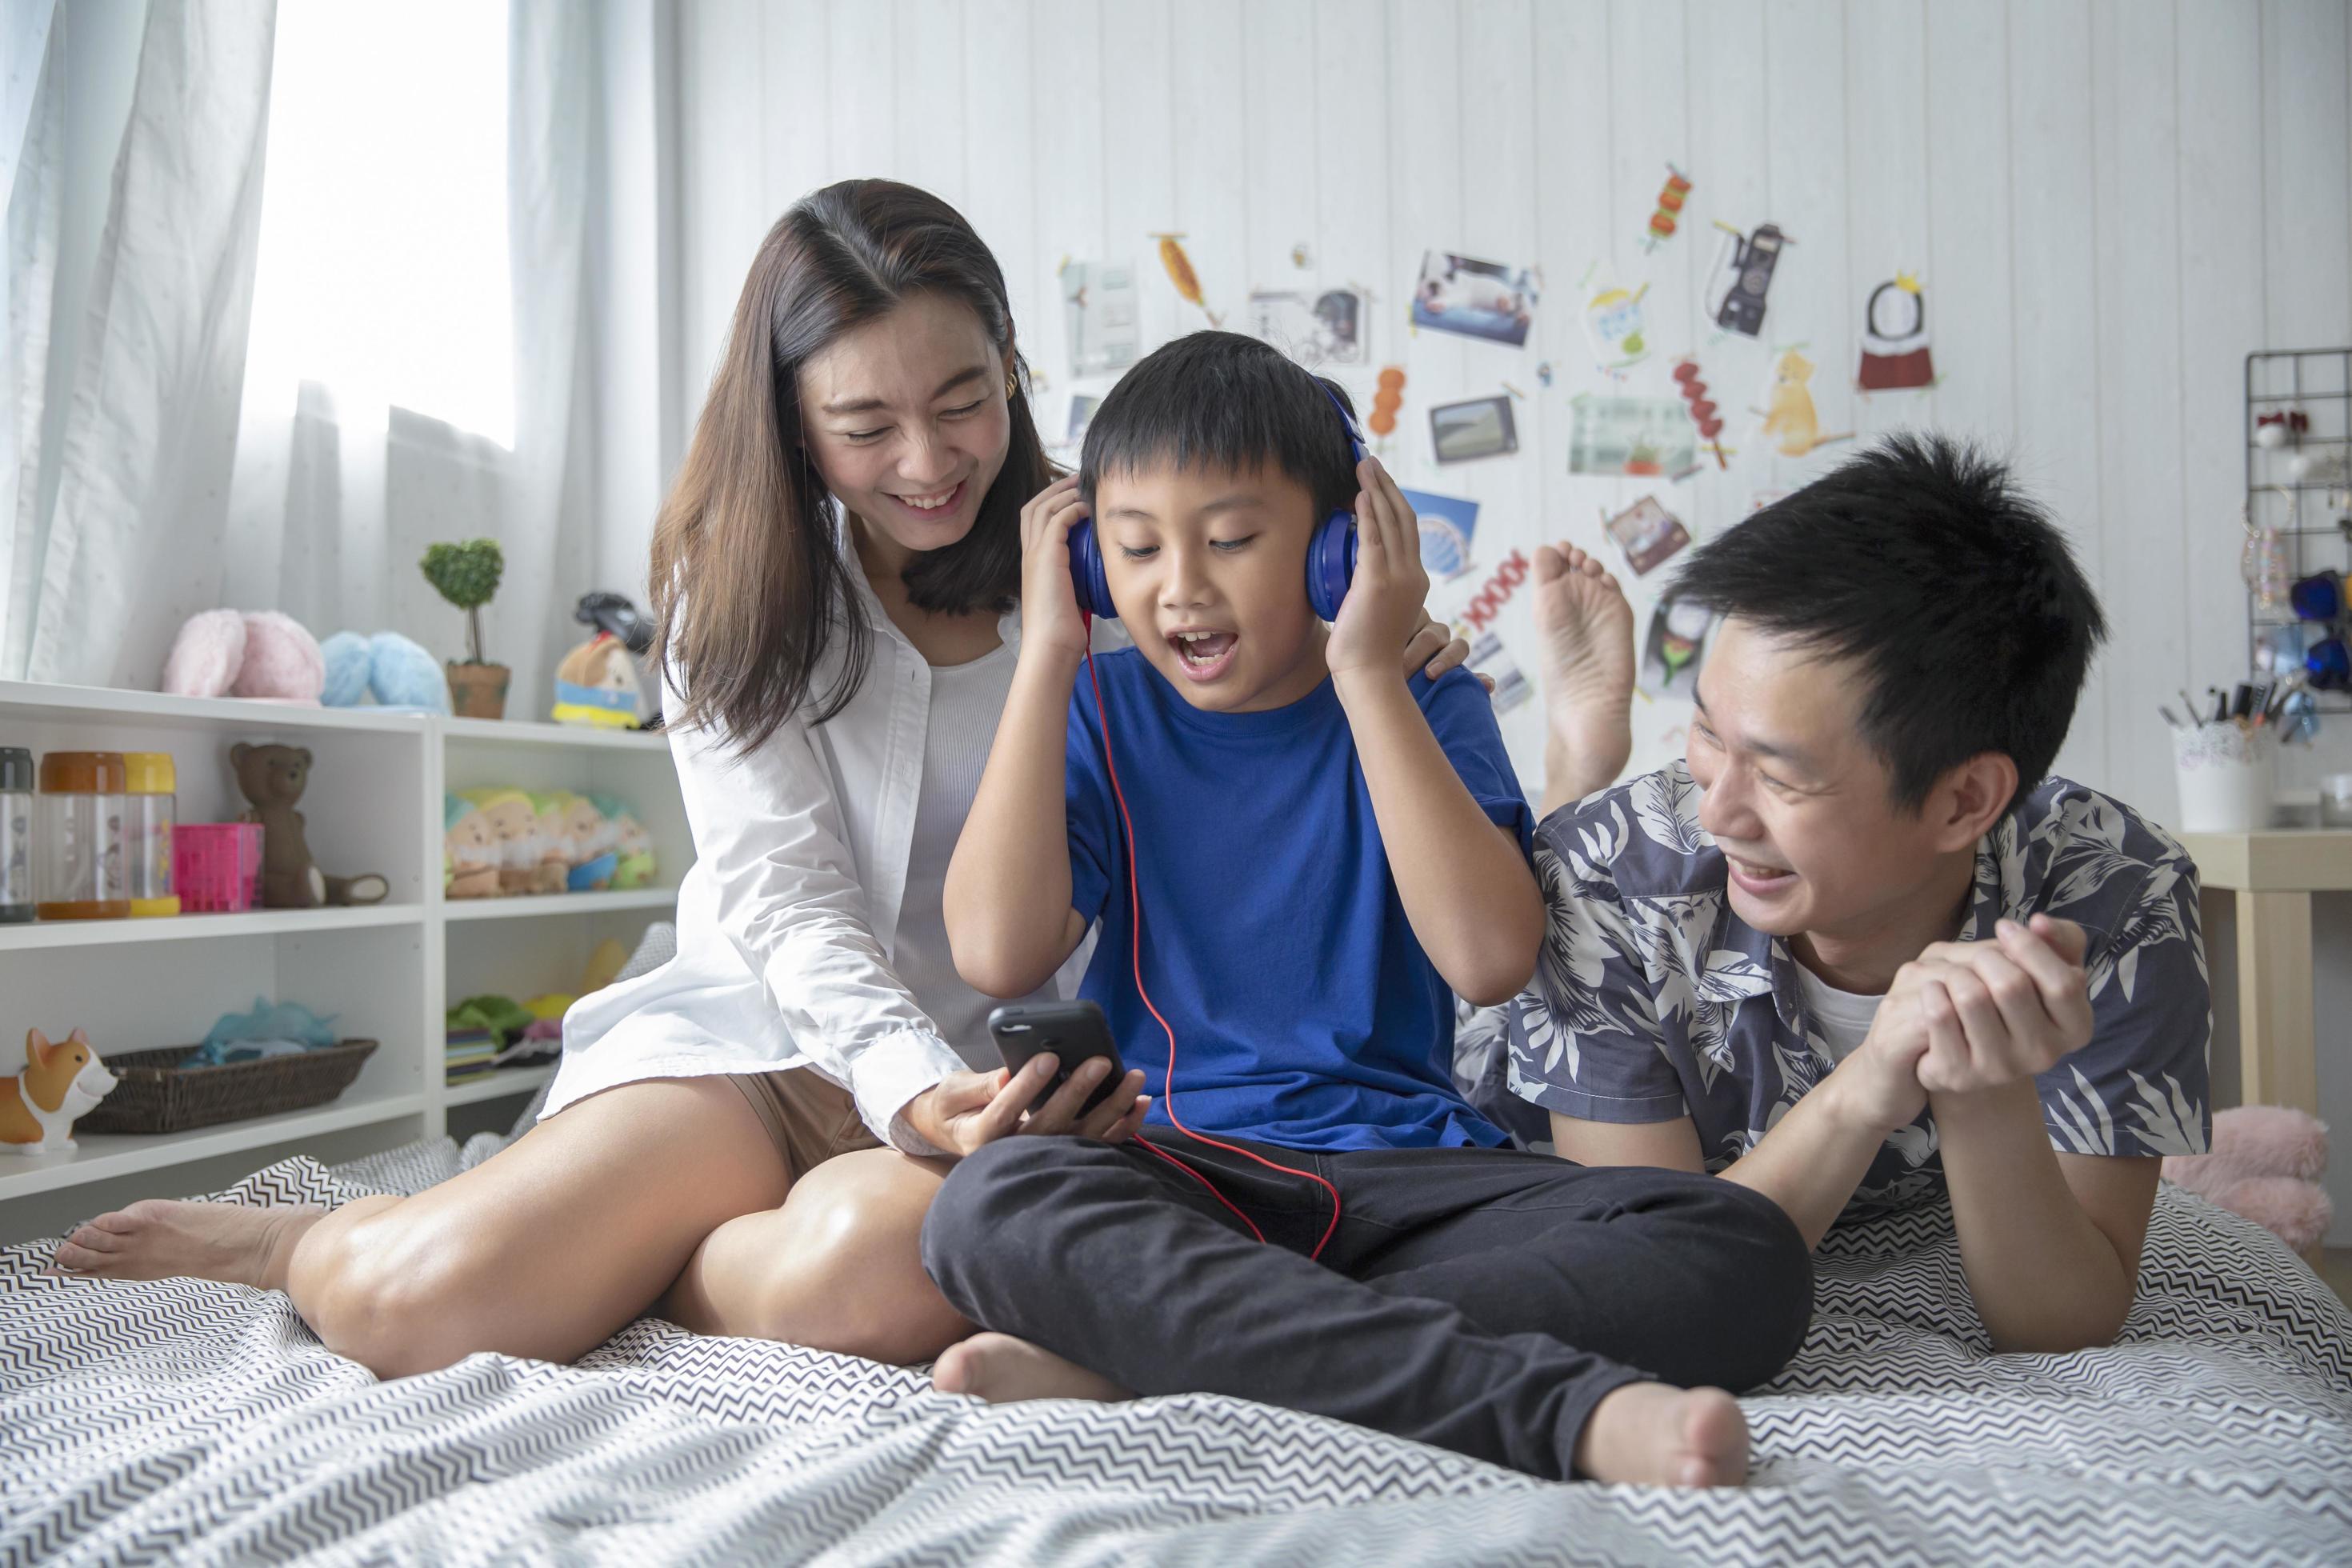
[61, 1083]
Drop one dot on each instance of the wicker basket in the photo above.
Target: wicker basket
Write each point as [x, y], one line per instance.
[157, 1095]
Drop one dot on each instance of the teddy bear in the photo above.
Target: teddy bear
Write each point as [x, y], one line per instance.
[273, 778]
[469, 851]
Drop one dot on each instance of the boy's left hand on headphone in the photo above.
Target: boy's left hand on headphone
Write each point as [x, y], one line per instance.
[1383, 608]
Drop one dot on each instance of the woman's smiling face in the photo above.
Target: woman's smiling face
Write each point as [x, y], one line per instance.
[906, 419]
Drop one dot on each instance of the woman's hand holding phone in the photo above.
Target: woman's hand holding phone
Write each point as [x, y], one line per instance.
[965, 1110]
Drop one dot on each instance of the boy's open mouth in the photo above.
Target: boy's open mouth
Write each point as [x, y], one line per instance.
[1204, 655]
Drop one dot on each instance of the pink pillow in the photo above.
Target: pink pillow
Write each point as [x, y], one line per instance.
[282, 661]
[207, 656]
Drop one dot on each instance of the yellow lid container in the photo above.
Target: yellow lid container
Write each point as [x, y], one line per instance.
[150, 772]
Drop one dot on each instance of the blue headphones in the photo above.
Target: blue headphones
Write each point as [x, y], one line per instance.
[1330, 554]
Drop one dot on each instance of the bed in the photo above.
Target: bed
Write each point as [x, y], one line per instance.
[194, 1423]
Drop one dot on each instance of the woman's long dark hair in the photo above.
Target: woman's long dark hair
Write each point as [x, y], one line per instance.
[749, 584]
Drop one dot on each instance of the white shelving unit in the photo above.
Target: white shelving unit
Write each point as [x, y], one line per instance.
[388, 972]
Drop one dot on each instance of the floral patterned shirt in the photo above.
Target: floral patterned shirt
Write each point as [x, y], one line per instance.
[1654, 1000]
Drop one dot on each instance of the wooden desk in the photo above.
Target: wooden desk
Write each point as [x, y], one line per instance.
[2274, 874]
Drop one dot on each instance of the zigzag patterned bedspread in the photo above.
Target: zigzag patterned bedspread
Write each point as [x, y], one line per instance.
[198, 1424]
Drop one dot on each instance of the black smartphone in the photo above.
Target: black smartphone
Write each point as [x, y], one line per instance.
[1073, 1031]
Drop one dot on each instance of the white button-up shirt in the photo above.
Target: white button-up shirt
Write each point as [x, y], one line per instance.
[787, 921]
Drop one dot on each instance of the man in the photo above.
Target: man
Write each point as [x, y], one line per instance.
[1861, 948]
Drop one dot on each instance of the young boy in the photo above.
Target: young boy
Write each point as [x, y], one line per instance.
[1324, 853]
[1861, 949]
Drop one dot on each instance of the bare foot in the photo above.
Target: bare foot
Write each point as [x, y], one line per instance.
[1587, 627]
[159, 1238]
[1005, 1370]
[1648, 1434]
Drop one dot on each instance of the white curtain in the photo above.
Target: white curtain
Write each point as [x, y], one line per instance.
[193, 478]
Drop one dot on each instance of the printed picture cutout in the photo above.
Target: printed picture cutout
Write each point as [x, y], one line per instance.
[1082, 413]
[1665, 218]
[1448, 524]
[1648, 533]
[1480, 427]
[1676, 644]
[1614, 325]
[1099, 298]
[1642, 436]
[1895, 356]
[1180, 273]
[1318, 330]
[1790, 420]
[1743, 277]
[1488, 658]
[1474, 298]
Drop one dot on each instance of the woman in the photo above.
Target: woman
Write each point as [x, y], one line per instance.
[746, 1139]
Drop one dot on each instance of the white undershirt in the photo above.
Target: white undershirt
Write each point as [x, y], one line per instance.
[1842, 1018]
[967, 700]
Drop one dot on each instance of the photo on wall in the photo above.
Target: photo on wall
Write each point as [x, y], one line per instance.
[1649, 436]
[1474, 298]
[1448, 524]
[1106, 322]
[1674, 647]
[1476, 427]
[1328, 328]
[1648, 533]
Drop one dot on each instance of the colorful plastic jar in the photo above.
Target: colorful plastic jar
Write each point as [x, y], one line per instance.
[16, 836]
[151, 810]
[78, 870]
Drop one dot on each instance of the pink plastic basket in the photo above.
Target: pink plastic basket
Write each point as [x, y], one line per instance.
[216, 866]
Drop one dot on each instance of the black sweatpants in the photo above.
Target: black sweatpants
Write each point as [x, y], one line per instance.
[1479, 1299]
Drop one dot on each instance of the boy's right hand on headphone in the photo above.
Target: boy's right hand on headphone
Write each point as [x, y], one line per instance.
[965, 1110]
[1050, 621]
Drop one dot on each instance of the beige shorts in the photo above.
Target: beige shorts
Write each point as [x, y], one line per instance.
[809, 1118]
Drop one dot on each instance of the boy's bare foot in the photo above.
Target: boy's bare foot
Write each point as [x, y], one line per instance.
[159, 1238]
[1647, 1434]
[1005, 1370]
[1587, 627]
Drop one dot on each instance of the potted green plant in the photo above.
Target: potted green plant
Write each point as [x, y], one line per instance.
[467, 576]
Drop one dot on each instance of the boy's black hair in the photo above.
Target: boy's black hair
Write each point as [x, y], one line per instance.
[1923, 563]
[1219, 400]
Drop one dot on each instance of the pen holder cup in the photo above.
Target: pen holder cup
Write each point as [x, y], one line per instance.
[2224, 770]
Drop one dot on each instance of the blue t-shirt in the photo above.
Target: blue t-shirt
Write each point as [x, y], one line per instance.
[1305, 1011]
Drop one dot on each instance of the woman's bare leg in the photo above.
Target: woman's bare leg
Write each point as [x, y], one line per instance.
[837, 1268]
[543, 1250]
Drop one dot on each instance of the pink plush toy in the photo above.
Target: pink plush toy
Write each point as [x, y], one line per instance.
[2264, 1164]
[262, 654]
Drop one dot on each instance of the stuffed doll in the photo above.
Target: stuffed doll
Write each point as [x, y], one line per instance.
[61, 1084]
[515, 825]
[591, 846]
[2264, 1162]
[272, 778]
[469, 850]
[631, 846]
[596, 685]
[554, 871]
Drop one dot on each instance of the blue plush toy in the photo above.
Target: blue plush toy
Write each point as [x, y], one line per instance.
[398, 673]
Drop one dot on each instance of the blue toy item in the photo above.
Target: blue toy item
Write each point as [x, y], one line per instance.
[1330, 554]
[398, 672]
[403, 674]
[266, 1031]
[346, 655]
